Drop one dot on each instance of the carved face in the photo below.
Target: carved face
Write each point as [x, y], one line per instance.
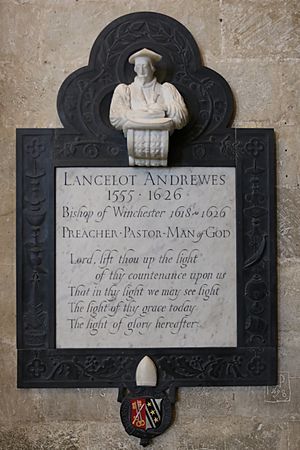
[144, 68]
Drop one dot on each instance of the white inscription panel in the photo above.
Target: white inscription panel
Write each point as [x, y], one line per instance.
[145, 258]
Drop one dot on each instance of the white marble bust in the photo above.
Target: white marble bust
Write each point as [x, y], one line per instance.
[147, 105]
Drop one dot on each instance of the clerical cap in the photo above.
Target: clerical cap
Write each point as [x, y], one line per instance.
[145, 52]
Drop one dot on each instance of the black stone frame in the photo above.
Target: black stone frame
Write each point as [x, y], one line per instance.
[87, 140]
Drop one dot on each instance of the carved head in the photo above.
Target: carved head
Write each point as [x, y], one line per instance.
[144, 61]
[144, 68]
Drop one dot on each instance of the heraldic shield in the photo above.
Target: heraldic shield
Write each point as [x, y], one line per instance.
[145, 413]
[146, 416]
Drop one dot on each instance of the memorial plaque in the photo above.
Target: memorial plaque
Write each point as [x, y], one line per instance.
[146, 253]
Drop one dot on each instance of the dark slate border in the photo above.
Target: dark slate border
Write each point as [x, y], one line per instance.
[253, 362]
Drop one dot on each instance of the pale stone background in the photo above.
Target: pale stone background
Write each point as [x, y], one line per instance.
[255, 45]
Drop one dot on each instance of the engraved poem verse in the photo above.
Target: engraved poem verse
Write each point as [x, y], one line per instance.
[145, 258]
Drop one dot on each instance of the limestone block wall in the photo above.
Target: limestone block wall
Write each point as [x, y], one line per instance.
[255, 45]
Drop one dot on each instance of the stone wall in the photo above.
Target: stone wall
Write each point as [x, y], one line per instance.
[255, 45]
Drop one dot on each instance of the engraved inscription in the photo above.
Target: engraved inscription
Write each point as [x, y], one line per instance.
[145, 258]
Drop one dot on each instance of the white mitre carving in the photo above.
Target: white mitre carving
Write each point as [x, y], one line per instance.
[146, 373]
[147, 112]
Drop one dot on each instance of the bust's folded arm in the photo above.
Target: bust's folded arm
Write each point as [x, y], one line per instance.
[121, 113]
